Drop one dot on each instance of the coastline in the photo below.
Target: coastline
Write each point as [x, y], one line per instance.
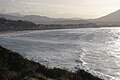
[18, 68]
[12, 31]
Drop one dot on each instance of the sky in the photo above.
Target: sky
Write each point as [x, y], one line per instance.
[87, 9]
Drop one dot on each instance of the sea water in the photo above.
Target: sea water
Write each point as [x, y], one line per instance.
[96, 50]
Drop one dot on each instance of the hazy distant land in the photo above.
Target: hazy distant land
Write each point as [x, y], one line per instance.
[19, 25]
[34, 22]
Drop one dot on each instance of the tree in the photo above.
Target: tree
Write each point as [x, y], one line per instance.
[2, 21]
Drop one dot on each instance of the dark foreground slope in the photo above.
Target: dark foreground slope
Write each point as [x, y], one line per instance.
[14, 67]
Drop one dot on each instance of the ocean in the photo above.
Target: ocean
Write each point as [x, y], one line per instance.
[96, 50]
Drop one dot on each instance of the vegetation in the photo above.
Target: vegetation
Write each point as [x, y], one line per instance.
[14, 67]
[15, 25]
[18, 25]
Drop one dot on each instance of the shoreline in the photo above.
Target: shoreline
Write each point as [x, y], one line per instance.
[12, 31]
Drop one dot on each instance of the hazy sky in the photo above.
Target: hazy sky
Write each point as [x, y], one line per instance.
[61, 8]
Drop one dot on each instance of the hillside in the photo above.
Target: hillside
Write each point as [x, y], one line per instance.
[112, 18]
[43, 19]
[15, 25]
[14, 67]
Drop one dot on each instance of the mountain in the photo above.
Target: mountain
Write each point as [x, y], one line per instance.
[11, 17]
[112, 19]
[43, 19]
[38, 19]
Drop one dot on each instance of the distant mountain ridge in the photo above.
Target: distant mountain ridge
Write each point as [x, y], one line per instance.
[110, 19]
[43, 19]
[11, 17]
[19, 25]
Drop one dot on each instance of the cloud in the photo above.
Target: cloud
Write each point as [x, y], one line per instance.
[12, 0]
[7, 0]
[3, 10]
[31, 3]
[60, 8]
